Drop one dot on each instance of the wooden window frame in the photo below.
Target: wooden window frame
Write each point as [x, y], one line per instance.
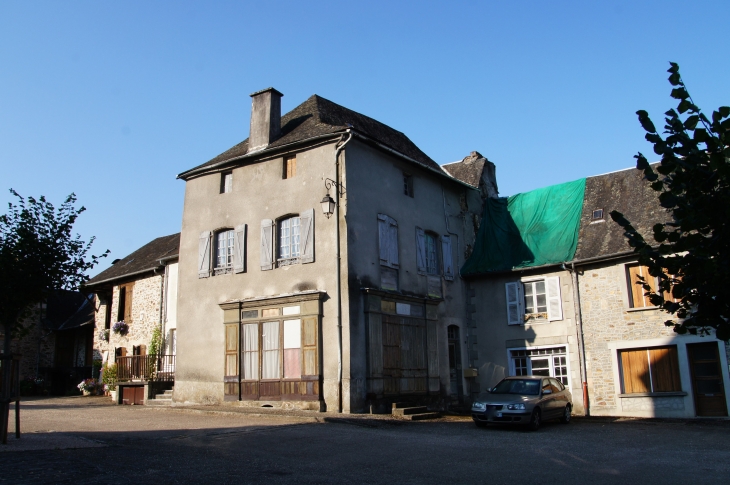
[291, 259]
[219, 269]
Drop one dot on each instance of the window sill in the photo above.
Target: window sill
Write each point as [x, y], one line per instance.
[222, 270]
[642, 309]
[653, 394]
[287, 262]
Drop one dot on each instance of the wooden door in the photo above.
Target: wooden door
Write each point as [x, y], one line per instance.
[133, 395]
[707, 381]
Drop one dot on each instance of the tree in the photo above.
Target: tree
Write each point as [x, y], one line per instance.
[690, 255]
[38, 254]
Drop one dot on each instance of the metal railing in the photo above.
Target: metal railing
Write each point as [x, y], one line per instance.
[146, 368]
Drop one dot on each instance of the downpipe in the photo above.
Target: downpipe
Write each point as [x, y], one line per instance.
[579, 332]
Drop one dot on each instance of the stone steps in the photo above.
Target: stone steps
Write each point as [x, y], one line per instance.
[413, 413]
[164, 399]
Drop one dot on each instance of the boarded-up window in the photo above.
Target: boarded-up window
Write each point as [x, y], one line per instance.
[231, 350]
[290, 166]
[636, 273]
[124, 311]
[226, 182]
[650, 370]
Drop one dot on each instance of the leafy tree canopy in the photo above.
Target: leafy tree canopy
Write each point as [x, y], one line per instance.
[38, 254]
[690, 256]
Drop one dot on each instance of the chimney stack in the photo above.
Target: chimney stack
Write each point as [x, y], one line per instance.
[265, 118]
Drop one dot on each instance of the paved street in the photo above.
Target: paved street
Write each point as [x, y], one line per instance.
[87, 440]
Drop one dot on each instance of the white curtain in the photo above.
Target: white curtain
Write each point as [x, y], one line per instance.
[250, 352]
[292, 349]
[271, 348]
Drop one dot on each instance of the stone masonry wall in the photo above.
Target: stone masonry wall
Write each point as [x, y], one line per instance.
[146, 297]
[27, 346]
[606, 318]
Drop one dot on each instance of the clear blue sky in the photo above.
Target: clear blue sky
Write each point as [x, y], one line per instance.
[111, 100]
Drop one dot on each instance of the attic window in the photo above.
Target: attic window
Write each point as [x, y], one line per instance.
[407, 184]
[290, 166]
[226, 182]
[597, 215]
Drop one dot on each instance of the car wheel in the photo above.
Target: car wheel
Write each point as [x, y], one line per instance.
[565, 419]
[535, 420]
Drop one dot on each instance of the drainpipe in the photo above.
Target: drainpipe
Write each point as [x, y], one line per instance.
[339, 147]
[579, 332]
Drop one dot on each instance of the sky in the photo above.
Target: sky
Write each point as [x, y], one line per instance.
[111, 100]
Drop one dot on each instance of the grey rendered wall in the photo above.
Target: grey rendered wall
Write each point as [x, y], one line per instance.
[259, 192]
[374, 183]
[495, 336]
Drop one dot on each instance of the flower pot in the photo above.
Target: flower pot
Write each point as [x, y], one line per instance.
[113, 395]
[86, 393]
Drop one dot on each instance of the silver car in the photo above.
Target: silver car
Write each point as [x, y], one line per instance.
[525, 400]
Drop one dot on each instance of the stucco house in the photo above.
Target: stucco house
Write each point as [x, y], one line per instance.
[319, 266]
[563, 302]
[141, 291]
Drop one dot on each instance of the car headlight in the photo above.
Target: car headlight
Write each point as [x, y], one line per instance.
[519, 406]
[478, 406]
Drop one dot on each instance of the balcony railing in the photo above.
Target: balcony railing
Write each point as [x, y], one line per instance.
[146, 368]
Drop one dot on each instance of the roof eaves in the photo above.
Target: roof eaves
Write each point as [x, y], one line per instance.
[120, 277]
[213, 167]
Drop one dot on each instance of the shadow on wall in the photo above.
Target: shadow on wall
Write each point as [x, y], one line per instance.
[491, 373]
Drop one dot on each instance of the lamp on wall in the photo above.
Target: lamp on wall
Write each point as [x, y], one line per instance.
[328, 203]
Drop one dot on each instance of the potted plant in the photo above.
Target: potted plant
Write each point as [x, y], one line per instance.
[109, 379]
[87, 386]
[120, 328]
[104, 335]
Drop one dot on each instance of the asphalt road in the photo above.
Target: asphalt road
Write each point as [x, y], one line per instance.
[85, 440]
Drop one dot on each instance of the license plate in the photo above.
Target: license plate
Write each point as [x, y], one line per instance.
[499, 415]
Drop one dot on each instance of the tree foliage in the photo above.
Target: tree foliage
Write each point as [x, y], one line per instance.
[690, 256]
[38, 254]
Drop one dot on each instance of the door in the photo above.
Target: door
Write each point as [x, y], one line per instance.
[707, 382]
[454, 361]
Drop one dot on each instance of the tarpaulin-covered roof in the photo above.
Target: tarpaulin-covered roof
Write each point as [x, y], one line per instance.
[529, 229]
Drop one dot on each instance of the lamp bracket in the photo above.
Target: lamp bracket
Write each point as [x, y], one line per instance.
[329, 183]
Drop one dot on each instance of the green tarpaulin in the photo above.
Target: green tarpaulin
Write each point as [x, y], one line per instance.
[531, 229]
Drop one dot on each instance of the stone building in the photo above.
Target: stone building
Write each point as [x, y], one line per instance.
[139, 289]
[318, 266]
[577, 314]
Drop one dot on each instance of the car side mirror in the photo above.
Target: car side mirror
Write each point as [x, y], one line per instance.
[546, 392]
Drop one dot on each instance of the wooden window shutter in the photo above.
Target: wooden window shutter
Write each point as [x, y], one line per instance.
[420, 251]
[638, 299]
[383, 239]
[142, 349]
[515, 313]
[393, 237]
[121, 303]
[309, 346]
[128, 293]
[239, 249]
[306, 221]
[204, 254]
[447, 257]
[554, 302]
[266, 248]
[664, 369]
[635, 371]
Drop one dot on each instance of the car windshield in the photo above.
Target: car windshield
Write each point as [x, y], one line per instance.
[523, 387]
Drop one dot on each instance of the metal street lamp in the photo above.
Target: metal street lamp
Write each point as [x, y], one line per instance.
[328, 205]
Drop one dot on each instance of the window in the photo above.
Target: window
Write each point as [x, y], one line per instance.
[597, 215]
[431, 255]
[637, 298]
[228, 255]
[288, 231]
[534, 301]
[224, 251]
[290, 166]
[548, 362]
[294, 240]
[654, 369]
[388, 238]
[226, 182]
[124, 310]
[427, 254]
[407, 184]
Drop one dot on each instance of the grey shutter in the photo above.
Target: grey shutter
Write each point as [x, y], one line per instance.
[204, 254]
[383, 238]
[267, 237]
[239, 249]
[514, 314]
[554, 302]
[393, 242]
[447, 257]
[420, 251]
[306, 221]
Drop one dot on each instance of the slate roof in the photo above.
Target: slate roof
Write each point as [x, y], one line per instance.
[144, 259]
[469, 170]
[318, 116]
[627, 192]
